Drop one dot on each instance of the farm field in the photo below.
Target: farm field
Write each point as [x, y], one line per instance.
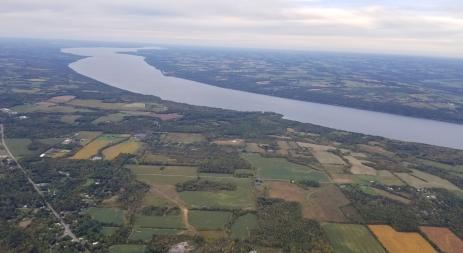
[145, 234]
[167, 221]
[170, 175]
[127, 248]
[280, 168]
[400, 242]
[444, 239]
[383, 176]
[233, 142]
[130, 146]
[86, 137]
[115, 117]
[107, 231]
[98, 104]
[323, 203]
[243, 225]
[109, 216]
[149, 158]
[243, 197]
[209, 220]
[47, 107]
[95, 146]
[419, 179]
[351, 238]
[18, 146]
[322, 153]
[184, 138]
[358, 168]
[61, 99]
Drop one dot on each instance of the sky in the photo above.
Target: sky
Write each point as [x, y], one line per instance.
[420, 27]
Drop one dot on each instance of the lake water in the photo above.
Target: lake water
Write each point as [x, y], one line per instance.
[132, 73]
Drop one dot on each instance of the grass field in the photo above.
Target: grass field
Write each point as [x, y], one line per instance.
[115, 117]
[358, 168]
[171, 175]
[85, 137]
[185, 138]
[399, 242]
[130, 146]
[107, 231]
[145, 234]
[209, 220]
[110, 216]
[243, 225]
[127, 248]
[323, 203]
[383, 176]
[98, 104]
[168, 221]
[351, 238]
[444, 239]
[19, 146]
[148, 158]
[280, 168]
[322, 153]
[92, 149]
[47, 108]
[243, 197]
[419, 179]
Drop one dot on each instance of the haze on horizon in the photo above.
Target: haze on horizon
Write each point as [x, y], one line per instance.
[425, 27]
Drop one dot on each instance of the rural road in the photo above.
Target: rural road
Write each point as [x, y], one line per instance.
[67, 229]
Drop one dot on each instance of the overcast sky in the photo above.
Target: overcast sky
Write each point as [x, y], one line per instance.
[428, 27]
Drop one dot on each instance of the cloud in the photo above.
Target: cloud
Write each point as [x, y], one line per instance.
[407, 26]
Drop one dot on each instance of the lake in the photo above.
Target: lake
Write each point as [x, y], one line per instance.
[130, 72]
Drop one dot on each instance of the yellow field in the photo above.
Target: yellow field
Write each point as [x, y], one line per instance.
[399, 242]
[96, 145]
[127, 147]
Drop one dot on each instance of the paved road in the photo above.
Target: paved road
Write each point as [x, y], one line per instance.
[67, 229]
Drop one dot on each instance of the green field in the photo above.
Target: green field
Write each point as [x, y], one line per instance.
[351, 238]
[110, 216]
[86, 137]
[383, 177]
[280, 168]
[115, 117]
[145, 234]
[209, 220]
[19, 147]
[168, 221]
[163, 174]
[107, 231]
[243, 197]
[127, 248]
[243, 225]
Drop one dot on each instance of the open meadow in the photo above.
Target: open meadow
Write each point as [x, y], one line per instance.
[281, 169]
[351, 238]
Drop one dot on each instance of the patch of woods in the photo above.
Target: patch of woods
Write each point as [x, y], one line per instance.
[307, 183]
[281, 225]
[227, 164]
[205, 185]
[159, 211]
[437, 207]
